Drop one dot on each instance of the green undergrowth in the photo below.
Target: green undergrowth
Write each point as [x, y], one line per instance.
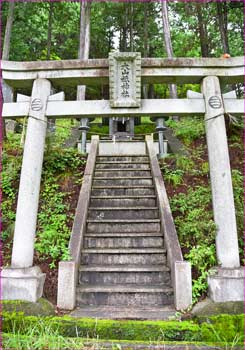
[60, 184]
[199, 330]
[188, 186]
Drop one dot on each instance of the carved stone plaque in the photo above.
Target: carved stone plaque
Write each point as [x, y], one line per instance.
[125, 79]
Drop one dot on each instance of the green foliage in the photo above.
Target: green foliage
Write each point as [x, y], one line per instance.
[238, 190]
[11, 165]
[208, 330]
[187, 129]
[54, 220]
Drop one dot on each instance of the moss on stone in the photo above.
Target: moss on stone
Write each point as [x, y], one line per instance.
[41, 308]
[223, 328]
[209, 308]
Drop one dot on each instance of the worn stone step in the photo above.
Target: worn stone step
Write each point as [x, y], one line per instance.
[124, 256]
[152, 225]
[122, 181]
[119, 201]
[119, 274]
[123, 213]
[122, 165]
[122, 191]
[126, 158]
[115, 173]
[124, 234]
[124, 295]
[123, 242]
[117, 313]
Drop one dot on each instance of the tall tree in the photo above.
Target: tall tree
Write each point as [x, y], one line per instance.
[7, 91]
[50, 22]
[83, 54]
[223, 24]
[8, 29]
[202, 28]
[168, 45]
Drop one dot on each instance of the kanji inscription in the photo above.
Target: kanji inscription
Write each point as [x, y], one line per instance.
[125, 77]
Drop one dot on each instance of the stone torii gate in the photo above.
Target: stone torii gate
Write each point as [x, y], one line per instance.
[25, 281]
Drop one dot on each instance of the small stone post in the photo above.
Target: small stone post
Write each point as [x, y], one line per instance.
[160, 127]
[22, 280]
[221, 286]
[84, 127]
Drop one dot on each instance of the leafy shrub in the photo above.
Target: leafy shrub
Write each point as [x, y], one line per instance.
[187, 129]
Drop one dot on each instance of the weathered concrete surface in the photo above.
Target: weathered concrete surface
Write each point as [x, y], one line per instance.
[154, 70]
[27, 205]
[123, 148]
[93, 109]
[183, 285]
[68, 271]
[67, 280]
[181, 282]
[103, 312]
[220, 174]
[22, 284]
[209, 308]
[226, 285]
[79, 224]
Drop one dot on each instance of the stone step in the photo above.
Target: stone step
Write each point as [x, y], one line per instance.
[122, 191]
[117, 173]
[123, 242]
[152, 225]
[126, 158]
[119, 201]
[123, 256]
[123, 213]
[124, 295]
[117, 313]
[122, 165]
[122, 181]
[124, 234]
[129, 274]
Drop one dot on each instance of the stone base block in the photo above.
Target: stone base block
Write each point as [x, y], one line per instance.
[22, 284]
[67, 281]
[182, 285]
[226, 285]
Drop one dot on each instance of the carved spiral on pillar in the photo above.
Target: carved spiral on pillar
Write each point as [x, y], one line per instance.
[215, 102]
[36, 104]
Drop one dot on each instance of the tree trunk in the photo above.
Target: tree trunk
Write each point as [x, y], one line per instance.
[123, 46]
[83, 54]
[146, 45]
[202, 28]
[168, 46]
[222, 20]
[50, 22]
[6, 49]
[131, 28]
[6, 43]
[83, 51]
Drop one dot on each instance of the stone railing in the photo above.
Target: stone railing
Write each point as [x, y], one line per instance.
[68, 270]
[180, 269]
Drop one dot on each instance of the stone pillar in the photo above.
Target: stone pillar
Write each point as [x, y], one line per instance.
[84, 127]
[22, 280]
[131, 126]
[222, 195]
[160, 127]
[28, 198]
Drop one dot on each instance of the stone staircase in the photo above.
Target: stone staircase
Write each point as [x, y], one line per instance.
[123, 271]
